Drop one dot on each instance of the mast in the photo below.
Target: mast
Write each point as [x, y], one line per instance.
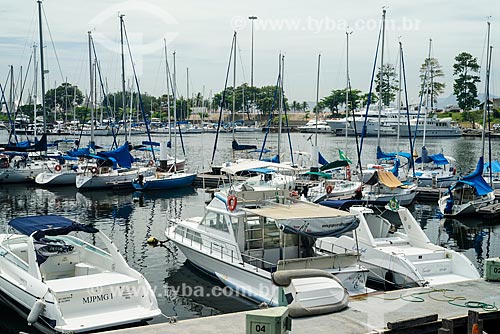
[187, 93]
[234, 85]
[91, 93]
[11, 92]
[427, 92]
[167, 72]
[399, 96]
[485, 108]
[317, 104]
[348, 84]
[124, 104]
[175, 117]
[42, 69]
[381, 77]
[280, 106]
[35, 88]
[55, 101]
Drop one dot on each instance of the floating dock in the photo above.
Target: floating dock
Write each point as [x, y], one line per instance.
[448, 308]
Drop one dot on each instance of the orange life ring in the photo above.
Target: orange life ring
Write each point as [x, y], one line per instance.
[348, 173]
[329, 188]
[94, 170]
[232, 201]
[58, 168]
[151, 162]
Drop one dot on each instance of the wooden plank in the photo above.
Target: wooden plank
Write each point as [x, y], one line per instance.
[412, 322]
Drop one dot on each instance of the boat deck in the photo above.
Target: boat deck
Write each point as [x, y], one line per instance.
[370, 314]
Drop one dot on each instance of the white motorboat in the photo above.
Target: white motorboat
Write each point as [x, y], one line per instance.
[467, 195]
[315, 127]
[400, 255]
[246, 246]
[65, 284]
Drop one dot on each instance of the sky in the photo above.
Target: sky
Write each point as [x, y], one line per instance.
[200, 33]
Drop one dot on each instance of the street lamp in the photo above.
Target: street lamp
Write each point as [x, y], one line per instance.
[252, 18]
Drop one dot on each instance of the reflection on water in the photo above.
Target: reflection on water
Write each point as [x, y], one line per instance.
[130, 218]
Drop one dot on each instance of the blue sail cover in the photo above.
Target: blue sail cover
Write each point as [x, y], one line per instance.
[495, 167]
[438, 159]
[242, 147]
[81, 152]
[391, 155]
[121, 155]
[395, 169]
[41, 226]
[275, 159]
[475, 180]
[321, 159]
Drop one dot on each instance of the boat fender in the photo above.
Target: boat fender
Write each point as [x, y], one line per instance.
[284, 277]
[58, 168]
[36, 311]
[151, 162]
[348, 173]
[329, 188]
[296, 310]
[94, 170]
[232, 201]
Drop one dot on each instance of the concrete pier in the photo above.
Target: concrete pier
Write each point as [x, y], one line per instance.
[373, 313]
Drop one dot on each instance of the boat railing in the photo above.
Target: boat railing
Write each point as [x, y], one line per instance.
[258, 263]
[323, 246]
[206, 243]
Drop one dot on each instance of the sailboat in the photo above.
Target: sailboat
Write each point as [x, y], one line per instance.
[166, 177]
[468, 194]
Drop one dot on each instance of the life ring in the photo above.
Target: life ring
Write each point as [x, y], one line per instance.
[348, 173]
[94, 170]
[151, 162]
[232, 201]
[58, 168]
[329, 188]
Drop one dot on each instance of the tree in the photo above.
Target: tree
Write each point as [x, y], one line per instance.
[337, 97]
[386, 83]
[433, 87]
[63, 96]
[304, 105]
[464, 88]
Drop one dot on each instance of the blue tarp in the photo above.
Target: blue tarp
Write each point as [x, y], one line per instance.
[391, 155]
[395, 169]
[475, 180]
[438, 159]
[495, 167]
[81, 152]
[48, 225]
[121, 155]
[275, 159]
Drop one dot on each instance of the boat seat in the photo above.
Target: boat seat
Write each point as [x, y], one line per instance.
[59, 266]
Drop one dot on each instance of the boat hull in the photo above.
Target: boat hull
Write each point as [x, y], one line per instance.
[56, 179]
[176, 181]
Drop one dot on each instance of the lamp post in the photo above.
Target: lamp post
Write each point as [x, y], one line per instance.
[252, 18]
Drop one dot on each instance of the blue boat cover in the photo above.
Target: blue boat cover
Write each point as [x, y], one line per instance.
[495, 167]
[438, 159]
[81, 152]
[395, 169]
[275, 159]
[321, 159]
[475, 180]
[347, 226]
[38, 146]
[391, 155]
[41, 226]
[121, 155]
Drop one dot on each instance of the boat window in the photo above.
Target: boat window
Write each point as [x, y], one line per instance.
[8, 256]
[192, 235]
[217, 221]
[82, 244]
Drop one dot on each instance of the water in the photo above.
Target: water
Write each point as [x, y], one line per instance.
[129, 218]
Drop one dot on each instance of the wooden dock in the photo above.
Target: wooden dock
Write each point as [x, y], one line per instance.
[444, 309]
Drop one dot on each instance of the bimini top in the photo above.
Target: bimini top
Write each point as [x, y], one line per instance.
[40, 226]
